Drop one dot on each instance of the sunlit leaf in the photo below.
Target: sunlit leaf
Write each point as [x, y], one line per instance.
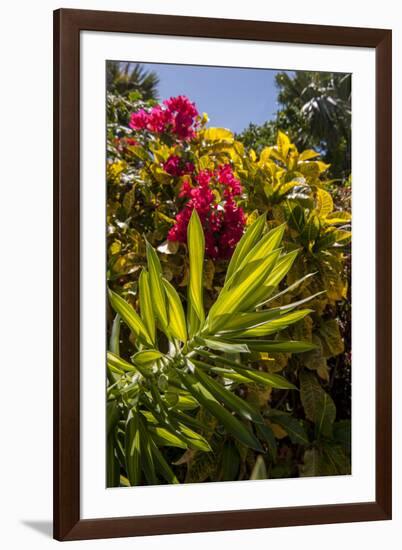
[129, 316]
[177, 321]
[196, 244]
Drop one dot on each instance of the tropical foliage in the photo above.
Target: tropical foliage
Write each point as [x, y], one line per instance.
[315, 111]
[229, 306]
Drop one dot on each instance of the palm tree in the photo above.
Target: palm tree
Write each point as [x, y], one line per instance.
[124, 78]
[317, 106]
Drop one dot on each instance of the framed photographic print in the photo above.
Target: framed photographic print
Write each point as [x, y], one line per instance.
[222, 274]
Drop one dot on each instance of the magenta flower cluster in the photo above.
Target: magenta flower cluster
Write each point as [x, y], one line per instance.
[177, 115]
[175, 166]
[223, 221]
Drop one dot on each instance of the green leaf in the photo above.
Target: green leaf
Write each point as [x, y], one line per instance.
[342, 433]
[162, 436]
[231, 400]
[244, 321]
[265, 432]
[261, 377]
[331, 338]
[274, 380]
[112, 415]
[230, 462]
[130, 317]
[219, 344]
[242, 296]
[280, 270]
[119, 365]
[293, 427]
[207, 400]
[267, 244]
[146, 309]
[271, 326]
[277, 346]
[196, 245]
[311, 230]
[291, 288]
[147, 457]
[317, 404]
[156, 287]
[246, 243]
[325, 460]
[147, 358]
[312, 463]
[133, 449]
[295, 216]
[192, 438]
[259, 470]
[114, 343]
[112, 464]
[161, 464]
[177, 320]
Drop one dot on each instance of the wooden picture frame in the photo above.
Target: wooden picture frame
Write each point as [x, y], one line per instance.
[67, 27]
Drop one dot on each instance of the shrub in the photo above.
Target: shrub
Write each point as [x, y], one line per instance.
[161, 170]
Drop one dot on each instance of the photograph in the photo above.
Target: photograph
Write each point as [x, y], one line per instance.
[228, 269]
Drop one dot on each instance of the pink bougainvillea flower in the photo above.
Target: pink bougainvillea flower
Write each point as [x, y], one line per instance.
[226, 177]
[223, 222]
[177, 115]
[176, 167]
[139, 120]
[183, 114]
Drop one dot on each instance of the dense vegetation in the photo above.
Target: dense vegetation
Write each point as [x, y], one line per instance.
[228, 275]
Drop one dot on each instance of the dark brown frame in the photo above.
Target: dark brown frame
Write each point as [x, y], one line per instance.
[67, 26]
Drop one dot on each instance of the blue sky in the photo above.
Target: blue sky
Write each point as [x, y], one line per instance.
[232, 97]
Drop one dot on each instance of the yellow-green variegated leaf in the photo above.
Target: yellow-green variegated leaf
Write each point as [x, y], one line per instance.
[196, 244]
[246, 243]
[156, 286]
[261, 377]
[130, 317]
[272, 278]
[263, 247]
[219, 344]
[272, 326]
[146, 309]
[177, 321]
[230, 422]
[281, 268]
[340, 217]
[147, 357]
[118, 365]
[277, 346]
[229, 399]
[133, 449]
[324, 203]
[241, 296]
[244, 321]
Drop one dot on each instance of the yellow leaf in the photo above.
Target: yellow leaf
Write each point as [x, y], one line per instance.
[308, 154]
[265, 154]
[324, 203]
[283, 144]
[218, 134]
[115, 248]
